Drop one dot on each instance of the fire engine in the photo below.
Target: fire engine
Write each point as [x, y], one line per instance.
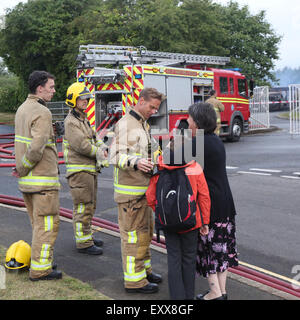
[183, 78]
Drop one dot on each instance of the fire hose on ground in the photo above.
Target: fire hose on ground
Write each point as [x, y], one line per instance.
[8, 154]
[292, 288]
[243, 271]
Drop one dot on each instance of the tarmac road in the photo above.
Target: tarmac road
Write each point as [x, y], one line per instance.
[264, 175]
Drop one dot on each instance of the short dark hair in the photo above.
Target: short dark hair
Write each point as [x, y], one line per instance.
[38, 78]
[151, 93]
[204, 116]
[212, 92]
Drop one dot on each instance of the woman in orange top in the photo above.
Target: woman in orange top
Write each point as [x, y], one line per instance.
[182, 246]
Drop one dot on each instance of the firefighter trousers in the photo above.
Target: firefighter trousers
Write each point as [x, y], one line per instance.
[136, 231]
[83, 188]
[43, 211]
[218, 128]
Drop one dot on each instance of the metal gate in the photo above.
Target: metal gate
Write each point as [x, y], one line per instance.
[259, 109]
[294, 102]
[59, 110]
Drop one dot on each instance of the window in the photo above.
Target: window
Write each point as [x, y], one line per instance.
[242, 86]
[231, 86]
[223, 85]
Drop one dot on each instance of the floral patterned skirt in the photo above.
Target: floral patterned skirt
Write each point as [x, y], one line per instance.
[217, 251]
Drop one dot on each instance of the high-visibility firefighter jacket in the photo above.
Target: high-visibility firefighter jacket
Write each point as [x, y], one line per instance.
[35, 149]
[218, 107]
[131, 143]
[80, 144]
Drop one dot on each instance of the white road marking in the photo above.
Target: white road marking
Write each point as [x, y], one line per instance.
[266, 170]
[290, 177]
[257, 173]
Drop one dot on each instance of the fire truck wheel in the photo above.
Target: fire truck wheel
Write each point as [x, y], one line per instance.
[236, 130]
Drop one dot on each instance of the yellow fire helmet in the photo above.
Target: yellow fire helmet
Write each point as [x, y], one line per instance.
[18, 255]
[77, 90]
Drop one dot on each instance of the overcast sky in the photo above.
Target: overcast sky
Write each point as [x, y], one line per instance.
[283, 15]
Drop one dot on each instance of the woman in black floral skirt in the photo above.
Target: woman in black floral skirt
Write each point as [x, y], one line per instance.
[217, 250]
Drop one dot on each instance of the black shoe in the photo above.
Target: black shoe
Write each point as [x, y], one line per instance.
[225, 296]
[154, 277]
[98, 242]
[55, 274]
[93, 250]
[149, 288]
[201, 297]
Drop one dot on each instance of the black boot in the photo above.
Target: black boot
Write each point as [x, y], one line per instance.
[149, 288]
[98, 242]
[92, 250]
[154, 277]
[55, 274]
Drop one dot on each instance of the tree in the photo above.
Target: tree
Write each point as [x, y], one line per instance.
[154, 24]
[36, 37]
[253, 44]
[3, 69]
[204, 31]
[46, 34]
[159, 26]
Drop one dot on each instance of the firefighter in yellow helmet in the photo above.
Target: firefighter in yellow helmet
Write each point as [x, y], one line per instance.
[133, 161]
[37, 170]
[82, 149]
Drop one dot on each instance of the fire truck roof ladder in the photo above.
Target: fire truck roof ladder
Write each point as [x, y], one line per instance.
[93, 55]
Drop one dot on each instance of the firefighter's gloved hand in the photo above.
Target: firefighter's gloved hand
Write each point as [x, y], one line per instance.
[102, 159]
[101, 164]
[101, 154]
[105, 163]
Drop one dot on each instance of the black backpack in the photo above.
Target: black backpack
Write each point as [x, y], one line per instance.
[175, 208]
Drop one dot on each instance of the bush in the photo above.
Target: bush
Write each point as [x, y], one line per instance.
[12, 93]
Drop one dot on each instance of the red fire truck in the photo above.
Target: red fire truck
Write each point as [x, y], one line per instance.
[184, 79]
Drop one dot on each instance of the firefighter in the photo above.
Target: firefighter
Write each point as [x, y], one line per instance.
[81, 151]
[218, 107]
[37, 170]
[133, 168]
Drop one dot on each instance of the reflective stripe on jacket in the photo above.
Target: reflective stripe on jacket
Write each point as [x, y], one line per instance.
[35, 149]
[80, 144]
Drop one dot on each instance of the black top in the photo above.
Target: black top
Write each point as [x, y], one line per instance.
[222, 205]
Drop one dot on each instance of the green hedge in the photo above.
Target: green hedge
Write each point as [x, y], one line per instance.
[12, 93]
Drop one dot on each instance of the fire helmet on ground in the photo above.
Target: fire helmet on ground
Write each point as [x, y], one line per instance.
[18, 255]
[77, 90]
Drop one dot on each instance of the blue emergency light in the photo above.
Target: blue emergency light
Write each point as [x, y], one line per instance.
[234, 69]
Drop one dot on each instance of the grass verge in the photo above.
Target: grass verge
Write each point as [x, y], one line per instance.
[7, 118]
[284, 115]
[19, 287]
